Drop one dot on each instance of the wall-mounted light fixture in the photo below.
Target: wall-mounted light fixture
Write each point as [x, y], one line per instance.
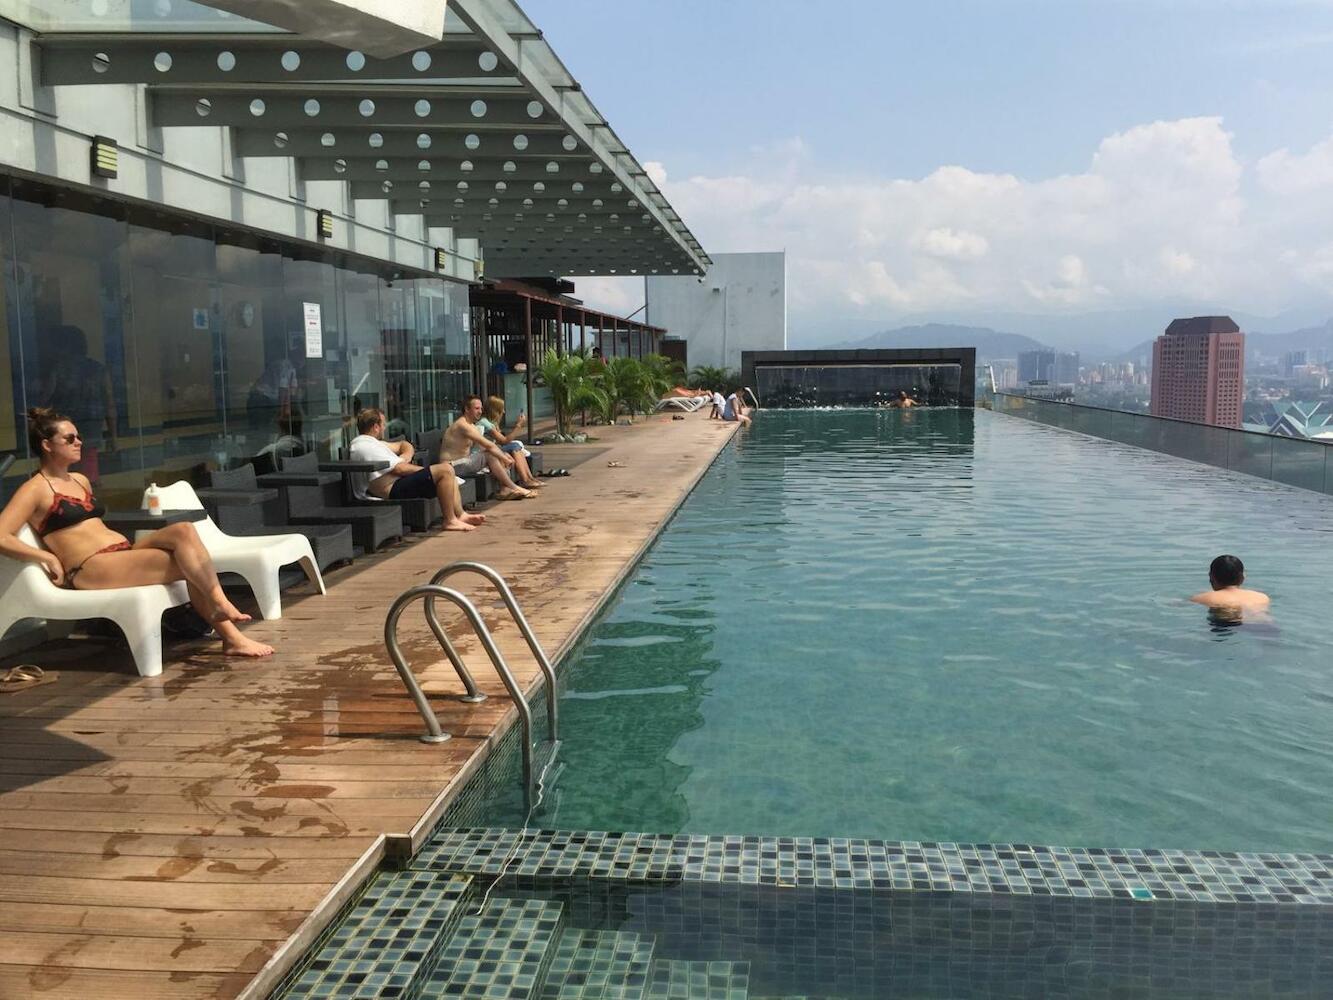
[441, 259]
[105, 157]
[324, 223]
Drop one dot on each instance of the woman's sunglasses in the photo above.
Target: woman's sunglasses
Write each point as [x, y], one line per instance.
[69, 438]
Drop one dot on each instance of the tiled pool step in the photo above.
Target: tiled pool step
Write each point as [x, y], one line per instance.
[502, 952]
[387, 940]
[674, 980]
[599, 965]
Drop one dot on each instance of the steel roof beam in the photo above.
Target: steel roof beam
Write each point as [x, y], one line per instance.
[441, 201]
[453, 141]
[81, 60]
[316, 107]
[442, 206]
[442, 168]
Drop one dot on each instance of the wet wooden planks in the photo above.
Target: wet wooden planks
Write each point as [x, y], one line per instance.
[166, 837]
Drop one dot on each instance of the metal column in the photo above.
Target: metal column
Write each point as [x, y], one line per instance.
[527, 338]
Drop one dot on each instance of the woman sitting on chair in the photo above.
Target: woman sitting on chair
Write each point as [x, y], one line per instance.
[82, 553]
[490, 426]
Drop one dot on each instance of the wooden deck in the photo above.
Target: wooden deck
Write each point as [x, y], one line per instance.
[174, 836]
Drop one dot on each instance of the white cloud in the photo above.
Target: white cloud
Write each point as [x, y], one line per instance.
[1284, 172]
[1164, 211]
[954, 244]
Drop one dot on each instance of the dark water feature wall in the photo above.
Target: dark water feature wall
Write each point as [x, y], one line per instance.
[800, 379]
[802, 386]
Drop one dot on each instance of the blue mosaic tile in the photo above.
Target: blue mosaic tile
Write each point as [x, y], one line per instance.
[599, 965]
[699, 981]
[1014, 869]
[387, 941]
[500, 953]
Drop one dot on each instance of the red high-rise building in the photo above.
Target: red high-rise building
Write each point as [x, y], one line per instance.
[1198, 371]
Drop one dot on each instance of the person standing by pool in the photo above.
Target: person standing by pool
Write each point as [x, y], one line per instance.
[1226, 574]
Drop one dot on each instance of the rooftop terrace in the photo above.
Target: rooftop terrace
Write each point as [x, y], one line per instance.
[188, 835]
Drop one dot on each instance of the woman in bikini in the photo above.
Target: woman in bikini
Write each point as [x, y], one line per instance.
[84, 554]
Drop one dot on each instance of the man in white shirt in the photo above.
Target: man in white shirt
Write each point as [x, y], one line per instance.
[402, 480]
[719, 405]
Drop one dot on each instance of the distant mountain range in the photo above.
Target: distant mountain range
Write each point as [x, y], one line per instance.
[989, 343]
[992, 344]
[1310, 338]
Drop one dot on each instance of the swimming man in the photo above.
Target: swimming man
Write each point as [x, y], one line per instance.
[1226, 574]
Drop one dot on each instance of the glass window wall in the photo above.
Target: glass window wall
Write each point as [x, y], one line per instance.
[177, 346]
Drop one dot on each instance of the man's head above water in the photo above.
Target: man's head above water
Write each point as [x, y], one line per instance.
[1226, 571]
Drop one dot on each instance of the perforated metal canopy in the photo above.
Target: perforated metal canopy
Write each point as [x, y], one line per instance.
[484, 132]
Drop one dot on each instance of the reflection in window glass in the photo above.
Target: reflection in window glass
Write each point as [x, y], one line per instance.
[178, 346]
[68, 288]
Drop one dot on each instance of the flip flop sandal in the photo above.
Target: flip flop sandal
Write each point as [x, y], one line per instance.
[615, 465]
[512, 495]
[562, 472]
[24, 676]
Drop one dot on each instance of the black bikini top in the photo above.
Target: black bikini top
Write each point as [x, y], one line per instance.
[66, 511]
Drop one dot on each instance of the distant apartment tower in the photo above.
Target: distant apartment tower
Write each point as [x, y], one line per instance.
[1046, 365]
[1198, 371]
[1066, 368]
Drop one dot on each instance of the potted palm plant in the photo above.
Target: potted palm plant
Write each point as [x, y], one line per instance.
[575, 383]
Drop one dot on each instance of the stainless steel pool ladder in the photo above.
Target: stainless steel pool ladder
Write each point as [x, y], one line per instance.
[533, 777]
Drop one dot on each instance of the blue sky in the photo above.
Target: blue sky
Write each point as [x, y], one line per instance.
[1223, 106]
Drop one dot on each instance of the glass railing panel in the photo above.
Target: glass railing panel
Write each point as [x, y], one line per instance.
[1299, 463]
[1250, 453]
[1132, 428]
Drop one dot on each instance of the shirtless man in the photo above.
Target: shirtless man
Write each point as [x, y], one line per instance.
[1226, 574]
[903, 402]
[456, 449]
[403, 480]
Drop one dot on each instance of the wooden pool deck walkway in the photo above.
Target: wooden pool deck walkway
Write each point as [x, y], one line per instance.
[188, 835]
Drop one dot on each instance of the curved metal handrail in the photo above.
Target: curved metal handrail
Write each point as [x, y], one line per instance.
[552, 711]
[434, 734]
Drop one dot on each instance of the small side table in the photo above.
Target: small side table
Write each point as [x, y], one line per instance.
[141, 520]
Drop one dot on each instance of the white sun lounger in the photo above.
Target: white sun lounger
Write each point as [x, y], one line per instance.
[687, 404]
[256, 558]
[27, 592]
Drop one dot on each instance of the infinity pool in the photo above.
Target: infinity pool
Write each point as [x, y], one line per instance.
[947, 625]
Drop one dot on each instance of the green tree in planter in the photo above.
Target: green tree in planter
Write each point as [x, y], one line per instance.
[576, 383]
[664, 373]
[626, 383]
[723, 380]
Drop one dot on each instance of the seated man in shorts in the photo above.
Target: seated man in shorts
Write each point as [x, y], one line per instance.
[403, 480]
[459, 440]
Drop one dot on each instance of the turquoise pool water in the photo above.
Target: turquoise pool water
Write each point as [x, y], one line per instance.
[943, 625]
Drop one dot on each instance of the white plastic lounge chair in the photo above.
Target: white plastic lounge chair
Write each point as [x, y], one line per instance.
[257, 558]
[686, 403]
[27, 592]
